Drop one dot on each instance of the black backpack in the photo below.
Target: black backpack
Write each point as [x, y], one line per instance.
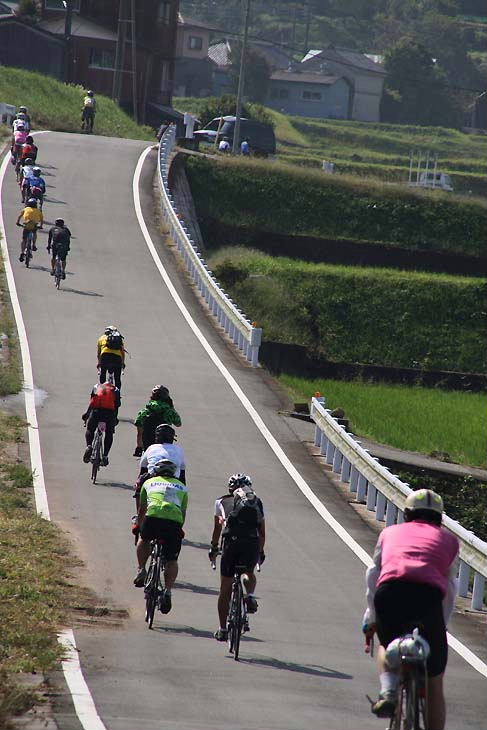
[115, 341]
[246, 516]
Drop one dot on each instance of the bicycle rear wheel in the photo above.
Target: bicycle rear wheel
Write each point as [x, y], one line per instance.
[96, 456]
[152, 590]
[235, 620]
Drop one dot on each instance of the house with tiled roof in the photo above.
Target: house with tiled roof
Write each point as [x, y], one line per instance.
[193, 68]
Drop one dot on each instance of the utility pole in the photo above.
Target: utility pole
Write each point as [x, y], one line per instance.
[241, 82]
[68, 4]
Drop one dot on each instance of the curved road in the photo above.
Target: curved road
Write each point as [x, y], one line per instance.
[303, 665]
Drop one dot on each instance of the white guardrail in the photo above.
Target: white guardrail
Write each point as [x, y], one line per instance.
[385, 494]
[244, 334]
[7, 113]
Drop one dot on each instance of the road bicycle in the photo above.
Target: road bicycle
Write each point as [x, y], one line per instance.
[407, 655]
[96, 457]
[58, 272]
[153, 588]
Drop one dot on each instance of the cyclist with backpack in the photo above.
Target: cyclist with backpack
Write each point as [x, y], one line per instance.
[111, 355]
[59, 241]
[36, 186]
[104, 405]
[239, 519]
[159, 409]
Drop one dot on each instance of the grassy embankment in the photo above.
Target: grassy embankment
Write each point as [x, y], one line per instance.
[410, 418]
[356, 314]
[374, 150]
[57, 106]
[291, 201]
[34, 559]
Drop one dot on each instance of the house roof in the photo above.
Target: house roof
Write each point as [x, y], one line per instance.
[219, 53]
[81, 28]
[191, 23]
[33, 28]
[306, 78]
[350, 58]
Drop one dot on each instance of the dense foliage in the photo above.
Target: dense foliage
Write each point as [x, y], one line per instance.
[465, 498]
[209, 107]
[352, 314]
[293, 201]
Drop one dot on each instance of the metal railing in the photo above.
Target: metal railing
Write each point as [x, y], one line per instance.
[244, 334]
[7, 113]
[385, 494]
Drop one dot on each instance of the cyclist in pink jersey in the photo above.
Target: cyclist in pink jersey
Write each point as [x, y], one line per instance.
[413, 581]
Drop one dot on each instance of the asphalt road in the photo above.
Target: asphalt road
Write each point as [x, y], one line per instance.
[303, 665]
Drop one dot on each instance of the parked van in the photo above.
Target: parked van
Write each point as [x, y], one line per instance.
[261, 136]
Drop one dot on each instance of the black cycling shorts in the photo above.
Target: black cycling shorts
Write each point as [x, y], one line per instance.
[239, 551]
[401, 607]
[153, 528]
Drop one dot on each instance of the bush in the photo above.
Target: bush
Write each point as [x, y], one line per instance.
[294, 201]
[465, 498]
[352, 314]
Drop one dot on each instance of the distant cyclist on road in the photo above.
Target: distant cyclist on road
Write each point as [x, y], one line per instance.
[162, 512]
[59, 241]
[239, 518]
[36, 186]
[111, 355]
[104, 405]
[88, 112]
[32, 219]
[29, 149]
[159, 409]
[413, 580]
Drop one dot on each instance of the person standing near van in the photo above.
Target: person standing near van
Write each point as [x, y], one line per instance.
[245, 147]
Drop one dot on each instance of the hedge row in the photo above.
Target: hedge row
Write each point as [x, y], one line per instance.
[273, 197]
[352, 314]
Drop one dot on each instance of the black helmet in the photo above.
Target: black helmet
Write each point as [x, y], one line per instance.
[159, 392]
[23, 109]
[32, 203]
[90, 93]
[164, 433]
[29, 139]
[59, 222]
[163, 468]
[238, 480]
[29, 162]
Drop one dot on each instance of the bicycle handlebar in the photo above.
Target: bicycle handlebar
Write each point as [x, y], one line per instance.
[369, 645]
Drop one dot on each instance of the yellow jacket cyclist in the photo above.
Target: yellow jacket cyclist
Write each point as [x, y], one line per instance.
[111, 355]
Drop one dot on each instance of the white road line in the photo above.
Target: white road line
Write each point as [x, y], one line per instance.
[82, 699]
[342, 533]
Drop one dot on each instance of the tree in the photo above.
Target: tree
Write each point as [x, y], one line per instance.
[257, 73]
[28, 9]
[416, 91]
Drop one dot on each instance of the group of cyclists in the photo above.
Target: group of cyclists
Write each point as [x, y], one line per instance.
[161, 492]
[412, 581]
[413, 577]
[32, 190]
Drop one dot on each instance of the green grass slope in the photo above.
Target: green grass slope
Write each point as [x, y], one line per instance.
[57, 106]
[291, 201]
[357, 314]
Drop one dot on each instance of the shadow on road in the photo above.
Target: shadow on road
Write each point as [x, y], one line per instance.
[312, 669]
[119, 485]
[199, 545]
[197, 589]
[78, 291]
[189, 630]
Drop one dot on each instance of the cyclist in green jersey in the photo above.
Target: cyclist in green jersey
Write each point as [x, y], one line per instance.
[162, 511]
